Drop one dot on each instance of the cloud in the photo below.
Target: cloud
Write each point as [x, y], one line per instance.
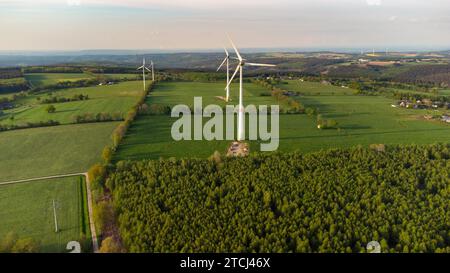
[73, 2]
[393, 18]
[373, 2]
[198, 4]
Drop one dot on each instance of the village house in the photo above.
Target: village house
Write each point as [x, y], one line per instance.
[446, 118]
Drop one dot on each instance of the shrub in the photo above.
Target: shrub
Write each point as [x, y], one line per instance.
[50, 109]
[96, 175]
[109, 245]
[107, 154]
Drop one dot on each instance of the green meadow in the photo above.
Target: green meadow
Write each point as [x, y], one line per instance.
[362, 120]
[314, 88]
[44, 79]
[117, 98]
[27, 210]
[46, 151]
[173, 93]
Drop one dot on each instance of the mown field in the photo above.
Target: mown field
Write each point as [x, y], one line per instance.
[27, 210]
[46, 151]
[314, 88]
[43, 79]
[149, 136]
[362, 120]
[117, 98]
[173, 93]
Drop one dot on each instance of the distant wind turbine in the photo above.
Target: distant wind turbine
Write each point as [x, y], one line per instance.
[227, 61]
[153, 71]
[240, 68]
[143, 67]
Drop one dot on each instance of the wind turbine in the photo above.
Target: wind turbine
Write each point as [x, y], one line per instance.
[153, 71]
[143, 67]
[227, 61]
[240, 68]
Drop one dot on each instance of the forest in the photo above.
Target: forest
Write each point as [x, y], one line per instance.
[329, 201]
[10, 73]
[438, 75]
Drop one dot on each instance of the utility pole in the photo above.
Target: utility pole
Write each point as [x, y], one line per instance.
[54, 215]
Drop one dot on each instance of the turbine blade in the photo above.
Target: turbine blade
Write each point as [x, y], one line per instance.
[148, 69]
[235, 49]
[220, 66]
[256, 64]
[226, 51]
[234, 75]
[140, 67]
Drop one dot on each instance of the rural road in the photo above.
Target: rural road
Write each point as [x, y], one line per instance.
[89, 200]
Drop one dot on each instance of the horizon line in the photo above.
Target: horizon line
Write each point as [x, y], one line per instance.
[287, 49]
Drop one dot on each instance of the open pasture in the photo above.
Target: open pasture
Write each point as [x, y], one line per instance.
[27, 210]
[117, 98]
[45, 79]
[47, 151]
[362, 120]
[315, 88]
[173, 93]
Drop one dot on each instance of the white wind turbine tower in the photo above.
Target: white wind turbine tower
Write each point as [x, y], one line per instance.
[227, 61]
[240, 68]
[143, 67]
[153, 71]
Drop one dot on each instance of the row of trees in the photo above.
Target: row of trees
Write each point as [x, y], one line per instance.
[104, 214]
[154, 109]
[282, 96]
[54, 99]
[99, 117]
[26, 125]
[330, 201]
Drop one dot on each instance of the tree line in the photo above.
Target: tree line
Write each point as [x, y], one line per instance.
[104, 214]
[10, 73]
[54, 99]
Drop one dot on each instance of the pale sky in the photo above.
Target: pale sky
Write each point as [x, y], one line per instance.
[201, 24]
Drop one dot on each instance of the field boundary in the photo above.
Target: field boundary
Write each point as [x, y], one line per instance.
[89, 199]
[40, 178]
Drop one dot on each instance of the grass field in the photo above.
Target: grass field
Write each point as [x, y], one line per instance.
[173, 93]
[12, 81]
[108, 98]
[445, 92]
[314, 88]
[43, 79]
[27, 210]
[121, 76]
[49, 151]
[362, 120]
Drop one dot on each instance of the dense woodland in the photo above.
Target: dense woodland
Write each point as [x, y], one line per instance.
[438, 75]
[10, 73]
[329, 201]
